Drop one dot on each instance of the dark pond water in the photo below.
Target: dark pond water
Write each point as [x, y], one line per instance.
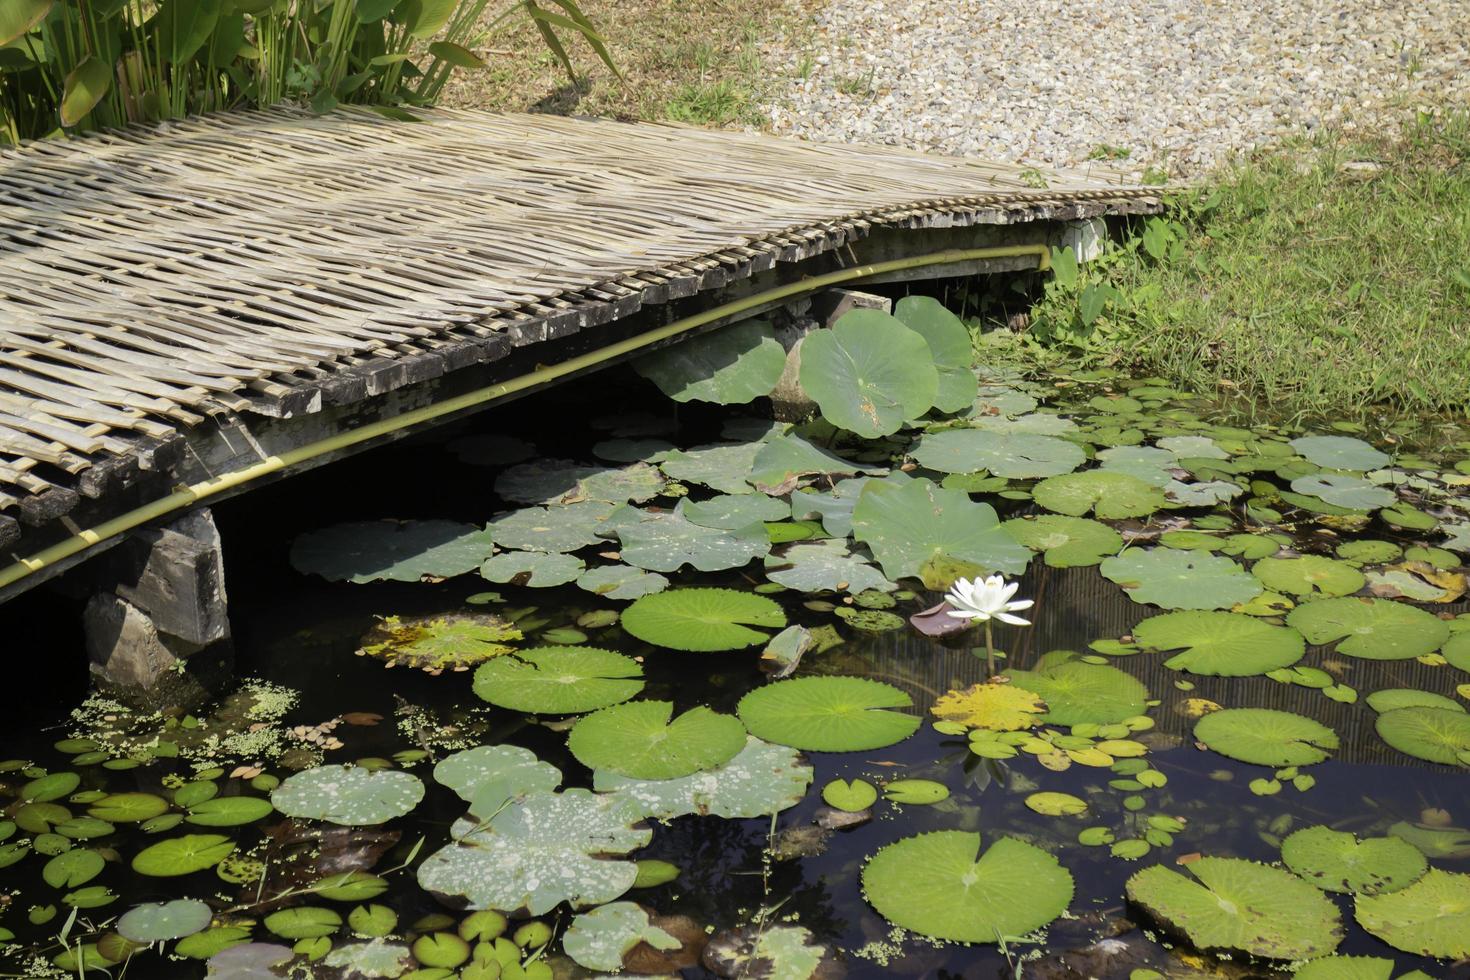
[297, 638]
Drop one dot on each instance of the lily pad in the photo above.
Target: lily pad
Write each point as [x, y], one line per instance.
[869, 373]
[165, 920]
[728, 366]
[828, 714]
[533, 855]
[564, 528]
[303, 922]
[852, 796]
[1339, 452]
[771, 952]
[621, 582]
[536, 569]
[731, 511]
[1181, 579]
[1374, 629]
[825, 566]
[1434, 734]
[940, 885]
[1065, 542]
[641, 740]
[1348, 968]
[950, 346]
[703, 619]
[561, 481]
[558, 680]
[991, 705]
[1014, 456]
[372, 959]
[1309, 576]
[666, 542]
[599, 939]
[1431, 917]
[1078, 693]
[762, 779]
[1220, 644]
[1408, 697]
[833, 507]
[1336, 861]
[907, 522]
[446, 642]
[229, 811]
[402, 551]
[348, 795]
[128, 807]
[1109, 495]
[487, 776]
[1344, 490]
[723, 467]
[1234, 904]
[1266, 737]
[786, 461]
[182, 855]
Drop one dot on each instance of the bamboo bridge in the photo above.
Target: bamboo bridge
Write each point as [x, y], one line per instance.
[190, 308]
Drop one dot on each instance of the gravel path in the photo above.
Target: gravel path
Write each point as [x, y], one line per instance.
[1176, 83]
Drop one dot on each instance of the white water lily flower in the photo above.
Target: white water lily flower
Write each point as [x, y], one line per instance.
[988, 599]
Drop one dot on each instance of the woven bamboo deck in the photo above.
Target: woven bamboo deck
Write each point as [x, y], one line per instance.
[156, 279]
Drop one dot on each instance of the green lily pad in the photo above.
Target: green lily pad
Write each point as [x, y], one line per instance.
[402, 551]
[1013, 456]
[1181, 579]
[1078, 693]
[165, 920]
[1193, 447]
[52, 786]
[907, 522]
[786, 461]
[703, 619]
[1339, 452]
[1347, 968]
[1408, 697]
[1344, 490]
[853, 797]
[564, 528]
[666, 542]
[182, 855]
[73, 868]
[770, 952]
[487, 776]
[375, 958]
[642, 740]
[915, 792]
[940, 885]
[229, 811]
[1374, 629]
[303, 922]
[1434, 734]
[621, 582]
[348, 795]
[731, 511]
[128, 807]
[537, 569]
[723, 467]
[599, 939]
[1109, 495]
[1233, 904]
[1056, 804]
[1220, 644]
[439, 642]
[204, 945]
[1336, 861]
[1431, 917]
[950, 346]
[825, 566]
[1266, 737]
[869, 373]
[832, 507]
[1065, 542]
[558, 680]
[828, 714]
[1366, 552]
[729, 366]
[561, 481]
[1309, 576]
[533, 855]
[761, 780]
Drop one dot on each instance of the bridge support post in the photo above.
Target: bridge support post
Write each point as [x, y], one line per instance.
[157, 628]
[788, 401]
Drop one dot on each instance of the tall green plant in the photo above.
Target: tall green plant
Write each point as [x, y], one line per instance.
[73, 65]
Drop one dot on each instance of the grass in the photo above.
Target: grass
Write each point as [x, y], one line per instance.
[1330, 278]
[696, 61]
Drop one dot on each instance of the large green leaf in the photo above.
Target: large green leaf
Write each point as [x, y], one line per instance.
[1014, 456]
[348, 795]
[1111, 496]
[128, 807]
[723, 467]
[621, 582]
[869, 373]
[533, 569]
[1343, 490]
[1177, 579]
[1233, 904]
[762, 779]
[1431, 917]
[1077, 693]
[487, 776]
[1220, 644]
[1339, 452]
[828, 714]
[85, 86]
[1433, 734]
[184, 26]
[703, 619]
[425, 18]
[729, 366]
[666, 542]
[832, 507]
[731, 511]
[182, 855]
[1310, 576]
[908, 523]
[1266, 737]
[940, 885]
[1347, 968]
[564, 528]
[599, 939]
[165, 920]
[1336, 861]
[1065, 542]
[547, 849]
[1375, 629]
[17, 17]
[949, 344]
[822, 566]
[404, 551]
[228, 811]
[642, 740]
[558, 680]
[786, 461]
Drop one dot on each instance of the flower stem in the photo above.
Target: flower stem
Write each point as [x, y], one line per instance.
[989, 651]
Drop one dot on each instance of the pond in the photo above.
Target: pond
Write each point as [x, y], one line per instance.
[675, 709]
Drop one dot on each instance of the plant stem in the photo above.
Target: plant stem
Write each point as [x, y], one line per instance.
[989, 651]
